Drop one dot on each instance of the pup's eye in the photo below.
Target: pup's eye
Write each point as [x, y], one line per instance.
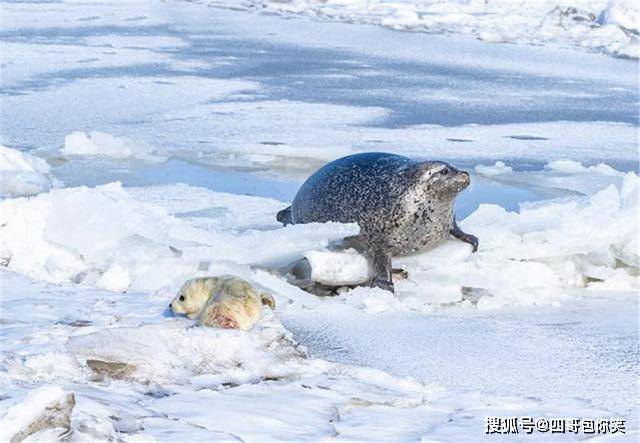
[445, 171]
[182, 298]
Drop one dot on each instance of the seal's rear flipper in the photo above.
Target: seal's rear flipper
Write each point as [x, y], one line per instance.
[463, 236]
[284, 216]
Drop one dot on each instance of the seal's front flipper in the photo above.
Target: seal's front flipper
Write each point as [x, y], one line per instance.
[381, 263]
[284, 216]
[463, 236]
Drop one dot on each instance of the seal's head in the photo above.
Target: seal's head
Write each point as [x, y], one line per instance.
[193, 295]
[442, 179]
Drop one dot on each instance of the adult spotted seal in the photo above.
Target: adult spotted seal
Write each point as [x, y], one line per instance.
[402, 206]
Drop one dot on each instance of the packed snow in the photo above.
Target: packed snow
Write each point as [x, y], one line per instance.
[611, 26]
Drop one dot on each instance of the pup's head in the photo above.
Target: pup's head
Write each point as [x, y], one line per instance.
[193, 295]
[443, 179]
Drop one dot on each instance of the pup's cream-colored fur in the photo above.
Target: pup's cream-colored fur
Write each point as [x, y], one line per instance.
[223, 302]
[194, 294]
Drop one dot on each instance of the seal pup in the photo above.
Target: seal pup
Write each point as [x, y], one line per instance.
[401, 205]
[223, 302]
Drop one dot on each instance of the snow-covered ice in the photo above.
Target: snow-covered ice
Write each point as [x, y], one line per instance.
[153, 141]
[112, 238]
[542, 251]
[611, 26]
[188, 379]
[46, 409]
[104, 237]
[134, 250]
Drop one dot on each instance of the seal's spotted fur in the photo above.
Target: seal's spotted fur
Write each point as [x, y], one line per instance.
[402, 206]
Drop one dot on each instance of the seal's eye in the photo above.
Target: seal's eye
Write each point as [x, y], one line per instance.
[445, 171]
[182, 298]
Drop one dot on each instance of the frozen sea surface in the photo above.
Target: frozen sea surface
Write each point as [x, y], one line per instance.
[241, 89]
[546, 353]
[598, 25]
[210, 119]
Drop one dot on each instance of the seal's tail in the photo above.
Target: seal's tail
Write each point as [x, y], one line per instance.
[284, 216]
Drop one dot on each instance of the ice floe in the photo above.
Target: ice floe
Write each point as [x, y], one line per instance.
[100, 143]
[150, 238]
[23, 174]
[537, 255]
[609, 26]
[568, 175]
[492, 170]
[338, 268]
[104, 237]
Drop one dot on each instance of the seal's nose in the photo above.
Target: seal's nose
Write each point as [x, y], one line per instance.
[170, 306]
[465, 177]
